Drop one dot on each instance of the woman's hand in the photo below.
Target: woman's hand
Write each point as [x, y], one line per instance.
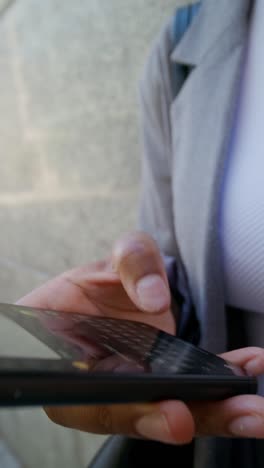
[240, 416]
[132, 284]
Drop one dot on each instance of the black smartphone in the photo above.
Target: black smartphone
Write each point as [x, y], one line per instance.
[58, 358]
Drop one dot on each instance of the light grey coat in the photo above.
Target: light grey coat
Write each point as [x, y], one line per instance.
[185, 149]
[186, 141]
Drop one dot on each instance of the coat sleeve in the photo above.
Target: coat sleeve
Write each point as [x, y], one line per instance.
[156, 205]
[156, 216]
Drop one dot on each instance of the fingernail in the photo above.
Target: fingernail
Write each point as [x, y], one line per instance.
[247, 426]
[152, 293]
[155, 427]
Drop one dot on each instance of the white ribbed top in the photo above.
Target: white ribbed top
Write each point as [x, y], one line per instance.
[242, 214]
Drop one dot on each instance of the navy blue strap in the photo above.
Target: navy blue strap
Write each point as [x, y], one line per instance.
[188, 326]
[183, 19]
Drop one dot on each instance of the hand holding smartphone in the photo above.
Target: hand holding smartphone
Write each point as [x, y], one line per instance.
[103, 360]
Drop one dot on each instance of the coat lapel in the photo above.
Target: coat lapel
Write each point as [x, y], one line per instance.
[202, 117]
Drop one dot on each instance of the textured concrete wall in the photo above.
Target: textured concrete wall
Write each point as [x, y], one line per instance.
[69, 159]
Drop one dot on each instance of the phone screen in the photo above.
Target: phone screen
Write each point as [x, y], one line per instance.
[97, 344]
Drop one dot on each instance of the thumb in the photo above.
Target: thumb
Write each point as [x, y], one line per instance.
[138, 262]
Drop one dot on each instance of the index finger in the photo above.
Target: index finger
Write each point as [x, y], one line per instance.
[251, 359]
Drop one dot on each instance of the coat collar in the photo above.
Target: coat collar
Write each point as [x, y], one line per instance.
[213, 22]
[202, 117]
